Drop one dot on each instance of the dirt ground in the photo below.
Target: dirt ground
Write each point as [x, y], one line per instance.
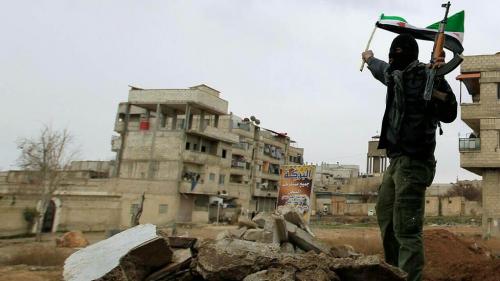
[452, 253]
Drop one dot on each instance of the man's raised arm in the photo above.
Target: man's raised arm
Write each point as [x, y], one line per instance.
[376, 66]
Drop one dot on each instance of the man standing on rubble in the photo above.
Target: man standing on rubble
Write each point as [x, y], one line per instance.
[409, 136]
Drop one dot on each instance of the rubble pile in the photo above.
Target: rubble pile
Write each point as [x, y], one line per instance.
[276, 246]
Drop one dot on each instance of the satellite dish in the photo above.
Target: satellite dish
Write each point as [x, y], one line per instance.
[257, 121]
[252, 118]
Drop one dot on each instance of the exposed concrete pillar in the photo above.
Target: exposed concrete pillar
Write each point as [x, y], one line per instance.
[187, 118]
[151, 163]
[174, 120]
[202, 121]
[216, 122]
[123, 136]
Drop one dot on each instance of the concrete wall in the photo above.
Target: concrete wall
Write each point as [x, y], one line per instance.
[452, 206]
[431, 206]
[358, 209]
[491, 199]
[473, 208]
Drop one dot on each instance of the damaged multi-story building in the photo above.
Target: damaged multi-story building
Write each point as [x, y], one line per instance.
[192, 158]
[480, 149]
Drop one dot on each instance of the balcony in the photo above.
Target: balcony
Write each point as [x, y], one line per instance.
[471, 115]
[469, 144]
[215, 134]
[200, 158]
[259, 192]
[199, 188]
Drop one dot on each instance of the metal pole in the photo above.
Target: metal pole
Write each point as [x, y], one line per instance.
[367, 47]
[218, 204]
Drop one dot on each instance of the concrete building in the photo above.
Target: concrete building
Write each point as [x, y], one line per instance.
[194, 161]
[480, 151]
[376, 159]
[187, 140]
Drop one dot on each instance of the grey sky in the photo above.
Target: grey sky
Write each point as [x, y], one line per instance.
[293, 64]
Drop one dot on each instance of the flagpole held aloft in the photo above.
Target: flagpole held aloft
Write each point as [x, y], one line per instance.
[367, 47]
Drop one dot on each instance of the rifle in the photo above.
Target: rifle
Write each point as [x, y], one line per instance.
[437, 51]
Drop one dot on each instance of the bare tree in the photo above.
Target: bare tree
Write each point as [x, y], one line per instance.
[46, 157]
[466, 190]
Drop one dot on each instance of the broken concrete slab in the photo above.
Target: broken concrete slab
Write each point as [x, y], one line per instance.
[304, 240]
[366, 268]
[253, 234]
[180, 261]
[238, 233]
[103, 257]
[181, 242]
[245, 222]
[140, 261]
[281, 231]
[261, 218]
[294, 216]
[232, 259]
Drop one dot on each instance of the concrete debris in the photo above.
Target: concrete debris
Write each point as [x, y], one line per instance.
[280, 223]
[366, 268]
[261, 218]
[292, 215]
[273, 274]
[245, 222]
[269, 248]
[72, 239]
[101, 258]
[288, 248]
[180, 262]
[304, 240]
[238, 233]
[142, 260]
[230, 259]
[253, 234]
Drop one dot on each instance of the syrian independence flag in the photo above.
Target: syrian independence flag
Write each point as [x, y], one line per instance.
[454, 30]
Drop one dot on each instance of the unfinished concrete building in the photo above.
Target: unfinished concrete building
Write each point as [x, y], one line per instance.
[480, 150]
[185, 139]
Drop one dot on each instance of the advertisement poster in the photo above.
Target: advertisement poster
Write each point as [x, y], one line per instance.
[296, 184]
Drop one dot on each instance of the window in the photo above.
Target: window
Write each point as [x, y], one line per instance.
[203, 148]
[211, 177]
[224, 152]
[195, 146]
[221, 179]
[134, 208]
[188, 145]
[498, 91]
[162, 208]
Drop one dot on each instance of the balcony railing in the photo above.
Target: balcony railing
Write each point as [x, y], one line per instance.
[469, 144]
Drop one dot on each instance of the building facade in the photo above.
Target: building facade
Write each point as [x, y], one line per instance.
[480, 150]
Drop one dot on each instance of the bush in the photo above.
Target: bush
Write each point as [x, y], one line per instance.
[30, 215]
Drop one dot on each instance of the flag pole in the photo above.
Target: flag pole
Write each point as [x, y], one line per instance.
[367, 47]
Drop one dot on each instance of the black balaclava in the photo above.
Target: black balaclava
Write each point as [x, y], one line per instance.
[409, 53]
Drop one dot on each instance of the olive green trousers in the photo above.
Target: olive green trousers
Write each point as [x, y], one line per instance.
[400, 212]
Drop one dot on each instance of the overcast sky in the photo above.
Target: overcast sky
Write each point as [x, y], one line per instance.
[292, 64]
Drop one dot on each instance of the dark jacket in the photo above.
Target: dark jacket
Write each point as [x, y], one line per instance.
[409, 123]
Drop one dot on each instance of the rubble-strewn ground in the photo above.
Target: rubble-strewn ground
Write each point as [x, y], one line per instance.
[462, 256]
